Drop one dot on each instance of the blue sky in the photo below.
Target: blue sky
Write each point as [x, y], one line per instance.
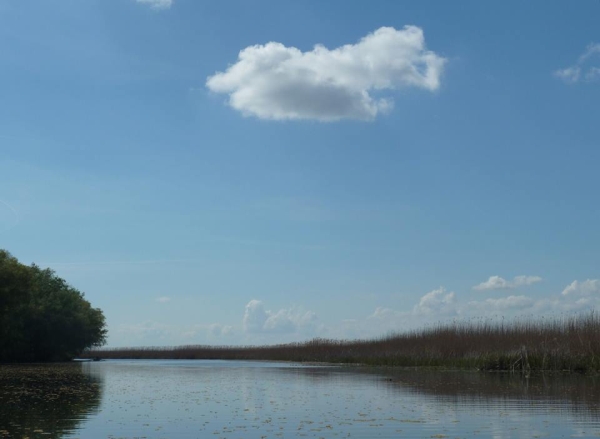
[234, 172]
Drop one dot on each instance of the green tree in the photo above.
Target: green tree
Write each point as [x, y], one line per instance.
[42, 318]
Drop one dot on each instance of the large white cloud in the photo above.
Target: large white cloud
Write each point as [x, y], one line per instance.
[273, 81]
[258, 320]
[157, 4]
[499, 283]
[587, 67]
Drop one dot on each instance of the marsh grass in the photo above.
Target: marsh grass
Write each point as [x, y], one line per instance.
[524, 344]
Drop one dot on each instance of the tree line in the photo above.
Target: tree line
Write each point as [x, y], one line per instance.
[42, 317]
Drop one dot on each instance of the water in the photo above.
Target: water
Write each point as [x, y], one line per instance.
[228, 399]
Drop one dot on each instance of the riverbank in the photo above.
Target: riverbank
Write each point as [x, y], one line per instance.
[557, 344]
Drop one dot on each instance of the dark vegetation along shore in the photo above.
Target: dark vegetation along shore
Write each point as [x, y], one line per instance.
[555, 344]
[42, 318]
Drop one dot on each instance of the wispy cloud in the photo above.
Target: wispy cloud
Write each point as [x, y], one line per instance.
[9, 217]
[157, 4]
[502, 304]
[163, 299]
[217, 330]
[587, 67]
[570, 74]
[499, 283]
[152, 333]
[273, 81]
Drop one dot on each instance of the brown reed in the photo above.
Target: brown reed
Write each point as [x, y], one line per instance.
[563, 343]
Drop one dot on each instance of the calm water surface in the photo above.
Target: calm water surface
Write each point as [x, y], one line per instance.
[226, 399]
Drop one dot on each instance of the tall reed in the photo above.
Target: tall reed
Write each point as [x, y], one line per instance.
[568, 343]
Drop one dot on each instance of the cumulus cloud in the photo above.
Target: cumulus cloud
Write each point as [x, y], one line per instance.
[499, 283]
[440, 306]
[584, 288]
[437, 302]
[157, 4]
[587, 67]
[434, 306]
[273, 81]
[255, 316]
[258, 320]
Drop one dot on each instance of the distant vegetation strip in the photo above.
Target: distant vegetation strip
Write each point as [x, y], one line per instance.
[557, 344]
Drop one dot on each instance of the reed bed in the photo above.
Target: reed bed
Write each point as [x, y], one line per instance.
[525, 344]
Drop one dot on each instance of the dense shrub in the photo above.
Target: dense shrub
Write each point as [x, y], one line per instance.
[42, 318]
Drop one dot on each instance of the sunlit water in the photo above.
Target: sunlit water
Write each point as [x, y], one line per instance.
[229, 399]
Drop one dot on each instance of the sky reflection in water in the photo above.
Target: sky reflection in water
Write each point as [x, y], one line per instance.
[220, 399]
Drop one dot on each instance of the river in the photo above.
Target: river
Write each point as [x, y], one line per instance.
[236, 399]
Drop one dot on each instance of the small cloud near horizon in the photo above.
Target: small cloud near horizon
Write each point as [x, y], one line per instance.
[218, 330]
[163, 299]
[277, 82]
[258, 320]
[435, 307]
[439, 306]
[499, 283]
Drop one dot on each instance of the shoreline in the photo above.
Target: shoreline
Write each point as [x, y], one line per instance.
[560, 345]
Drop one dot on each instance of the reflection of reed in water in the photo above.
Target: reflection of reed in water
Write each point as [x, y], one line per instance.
[574, 392]
[45, 400]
